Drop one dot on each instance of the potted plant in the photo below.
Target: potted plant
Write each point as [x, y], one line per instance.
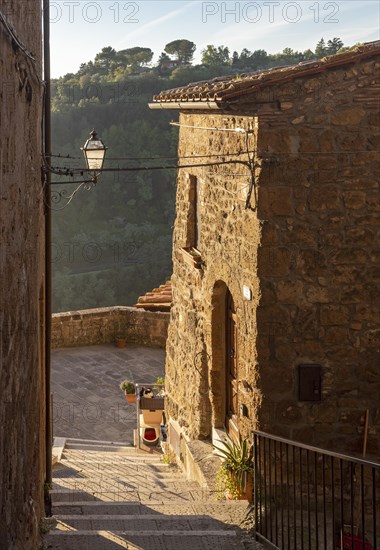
[159, 387]
[129, 390]
[235, 477]
[120, 341]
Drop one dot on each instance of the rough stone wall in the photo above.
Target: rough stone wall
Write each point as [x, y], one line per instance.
[101, 325]
[229, 239]
[319, 257]
[309, 253]
[22, 414]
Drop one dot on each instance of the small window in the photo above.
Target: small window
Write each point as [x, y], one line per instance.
[309, 382]
[193, 219]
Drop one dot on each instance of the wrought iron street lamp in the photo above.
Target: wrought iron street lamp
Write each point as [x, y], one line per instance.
[94, 152]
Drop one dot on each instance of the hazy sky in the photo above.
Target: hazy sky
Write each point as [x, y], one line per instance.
[81, 28]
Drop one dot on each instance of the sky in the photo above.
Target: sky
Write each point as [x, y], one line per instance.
[81, 28]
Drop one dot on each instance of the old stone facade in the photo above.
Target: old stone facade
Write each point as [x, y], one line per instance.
[22, 390]
[288, 273]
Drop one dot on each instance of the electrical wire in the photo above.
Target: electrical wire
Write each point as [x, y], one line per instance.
[238, 153]
[141, 169]
[236, 130]
[252, 185]
[15, 38]
[19, 44]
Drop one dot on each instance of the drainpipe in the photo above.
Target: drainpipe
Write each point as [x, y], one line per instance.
[47, 153]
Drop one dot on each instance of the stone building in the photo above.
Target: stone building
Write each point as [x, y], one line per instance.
[275, 322]
[22, 390]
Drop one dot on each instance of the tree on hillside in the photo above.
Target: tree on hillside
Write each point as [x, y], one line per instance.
[212, 56]
[334, 45]
[183, 50]
[259, 59]
[242, 60]
[135, 57]
[163, 58]
[106, 58]
[321, 49]
[308, 54]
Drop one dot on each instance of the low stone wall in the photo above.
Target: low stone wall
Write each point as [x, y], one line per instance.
[100, 326]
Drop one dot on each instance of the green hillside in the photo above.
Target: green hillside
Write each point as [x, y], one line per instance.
[113, 243]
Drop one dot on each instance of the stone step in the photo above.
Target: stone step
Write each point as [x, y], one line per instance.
[100, 461]
[102, 451]
[148, 540]
[104, 447]
[74, 440]
[223, 510]
[143, 476]
[143, 522]
[120, 494]
[100, 465]
[128, 482]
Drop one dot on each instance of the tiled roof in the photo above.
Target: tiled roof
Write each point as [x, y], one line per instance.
[227, 88]
[159, 299]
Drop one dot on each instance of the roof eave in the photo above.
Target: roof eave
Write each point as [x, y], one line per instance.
[186, 105]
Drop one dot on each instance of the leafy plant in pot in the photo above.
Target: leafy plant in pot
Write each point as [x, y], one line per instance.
[235, 476]
[159, 386]
[129, 390]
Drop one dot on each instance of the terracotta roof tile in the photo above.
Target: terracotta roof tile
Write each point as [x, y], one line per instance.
[228, 88]
[159, 299]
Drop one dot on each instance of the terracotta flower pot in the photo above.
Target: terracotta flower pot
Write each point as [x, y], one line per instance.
[247, 494]
[130, 397]
[121, 342]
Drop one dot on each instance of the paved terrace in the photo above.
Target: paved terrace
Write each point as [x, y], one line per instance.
[87, 400]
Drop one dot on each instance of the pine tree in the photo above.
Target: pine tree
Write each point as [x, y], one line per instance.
[334, 45]
[321, 50]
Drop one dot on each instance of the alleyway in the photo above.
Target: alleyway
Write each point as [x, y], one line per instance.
[109, 498]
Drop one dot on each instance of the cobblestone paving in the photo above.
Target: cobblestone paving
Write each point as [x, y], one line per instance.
[87, 400]
[113, 498]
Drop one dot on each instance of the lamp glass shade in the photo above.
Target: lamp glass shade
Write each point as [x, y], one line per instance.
[94, 152]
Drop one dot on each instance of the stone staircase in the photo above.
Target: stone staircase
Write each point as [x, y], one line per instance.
[111, 497]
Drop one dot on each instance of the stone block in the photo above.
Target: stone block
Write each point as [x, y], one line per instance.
[288, 412]
[306, 321]
[354, 200]
[275, 201]
[355, 256]
[273, 261]
[324, 198]
[373, 203]
[365, 158]
[336, 336]
[320, 295]
[326, 413]
[348, 117]
[327, 141]
[334, 315]
[360, 235]
[289, 292]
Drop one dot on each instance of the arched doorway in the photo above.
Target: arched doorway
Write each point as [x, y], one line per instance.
[224, 364]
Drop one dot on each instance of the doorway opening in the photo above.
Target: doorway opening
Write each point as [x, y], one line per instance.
[224, 366]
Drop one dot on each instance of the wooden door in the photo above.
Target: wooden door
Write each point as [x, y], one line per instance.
[231, 368]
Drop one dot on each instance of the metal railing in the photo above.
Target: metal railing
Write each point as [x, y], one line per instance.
[307, 497]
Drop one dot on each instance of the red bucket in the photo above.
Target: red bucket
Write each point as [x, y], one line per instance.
[355, 543]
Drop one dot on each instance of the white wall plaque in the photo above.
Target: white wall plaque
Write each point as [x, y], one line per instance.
[247, 292]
